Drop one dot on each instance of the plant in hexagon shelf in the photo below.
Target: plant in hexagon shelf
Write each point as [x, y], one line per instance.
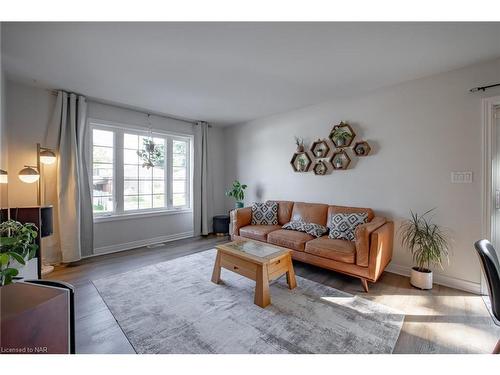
[320, 148]
[320, 168]
[300, 162]
[342, 135]
[340, 160]
[361, 148]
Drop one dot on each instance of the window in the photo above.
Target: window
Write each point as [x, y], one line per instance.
[123, 183]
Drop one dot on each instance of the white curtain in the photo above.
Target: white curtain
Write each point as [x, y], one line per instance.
[203, 183]
[67, 133]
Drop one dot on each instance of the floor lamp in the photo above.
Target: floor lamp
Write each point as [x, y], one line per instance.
[33, 173]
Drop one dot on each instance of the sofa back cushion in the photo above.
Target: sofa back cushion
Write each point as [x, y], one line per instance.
[284, 211]
[310, 212]
[349, 210]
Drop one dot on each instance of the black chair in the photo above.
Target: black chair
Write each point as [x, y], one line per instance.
[71, 288]
[491, 268]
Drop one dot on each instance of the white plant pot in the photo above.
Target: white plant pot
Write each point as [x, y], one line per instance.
[421, 280]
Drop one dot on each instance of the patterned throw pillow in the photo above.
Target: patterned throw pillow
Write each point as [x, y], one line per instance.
[265, 213]
[313, 229]
[342, 226]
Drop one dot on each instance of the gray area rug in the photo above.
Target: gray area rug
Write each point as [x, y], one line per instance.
[487, 302]
[173, 307]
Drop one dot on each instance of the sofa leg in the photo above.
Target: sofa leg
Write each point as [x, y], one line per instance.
[497, 348]
[364, 282]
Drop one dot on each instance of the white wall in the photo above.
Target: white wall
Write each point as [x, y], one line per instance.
[420, 131]
[28, 113]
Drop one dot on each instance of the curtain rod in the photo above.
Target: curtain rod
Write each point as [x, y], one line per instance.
[130, 108]
[484, 88]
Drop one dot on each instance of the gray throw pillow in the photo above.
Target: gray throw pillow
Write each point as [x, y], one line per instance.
[342, 226]
[313, 229]
[265, 213]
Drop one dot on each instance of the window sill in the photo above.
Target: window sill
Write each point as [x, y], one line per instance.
[139, 215]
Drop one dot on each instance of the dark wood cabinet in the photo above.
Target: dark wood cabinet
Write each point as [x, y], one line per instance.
[35, 319]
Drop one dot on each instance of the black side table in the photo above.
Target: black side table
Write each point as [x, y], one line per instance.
[221, 225]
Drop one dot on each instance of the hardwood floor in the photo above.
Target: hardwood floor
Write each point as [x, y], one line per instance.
[442, 320]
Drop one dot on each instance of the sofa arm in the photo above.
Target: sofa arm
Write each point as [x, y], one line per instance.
[239, 218]
[381, 243]
[362, 239]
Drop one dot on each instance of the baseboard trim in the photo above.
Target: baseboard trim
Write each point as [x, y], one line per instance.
[448, 281]
[141, 243]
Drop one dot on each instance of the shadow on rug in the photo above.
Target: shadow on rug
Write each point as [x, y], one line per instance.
[173, 307]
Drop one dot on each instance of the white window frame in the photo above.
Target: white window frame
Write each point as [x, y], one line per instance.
[118, 169]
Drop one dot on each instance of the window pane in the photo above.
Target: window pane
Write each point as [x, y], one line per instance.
[130, 187]
[179, 200]
[130, 157]
[102, 186]
[130, 202]
[145, 187]
[159, 141]
[179, 147]
[145, 173]
[131, 171]
[103, 204]
[131, 141]
[158, 187]
[145, 201]
[102, 138]
[102, 154]
[179, 173]
[178, 186]
[179, 160]
[158, 201]
[102, 170]
[158, 173]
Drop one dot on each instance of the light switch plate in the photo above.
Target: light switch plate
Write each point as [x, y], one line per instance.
[461, 177]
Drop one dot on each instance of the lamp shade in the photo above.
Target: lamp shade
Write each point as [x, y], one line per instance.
[3, 177]
[47, 157]
[29, 175]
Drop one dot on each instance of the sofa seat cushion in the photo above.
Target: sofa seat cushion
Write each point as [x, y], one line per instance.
[258, 232]
[339, 250]
[289, 239]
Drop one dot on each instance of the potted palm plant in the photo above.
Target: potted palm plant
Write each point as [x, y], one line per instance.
[341, 136]
[428, 243]
[237, 193]
[17, 246]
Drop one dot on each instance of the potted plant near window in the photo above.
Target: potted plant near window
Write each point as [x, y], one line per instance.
[237, 193]
[17, 246]
[428, 244]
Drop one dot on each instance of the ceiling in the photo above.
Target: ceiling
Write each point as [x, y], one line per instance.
[228, 73]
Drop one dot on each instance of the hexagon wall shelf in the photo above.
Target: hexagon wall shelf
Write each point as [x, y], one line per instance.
[340, 160]
[320, 168]
[320, 149]
[361, 148]
[301, 162]
[342, 135]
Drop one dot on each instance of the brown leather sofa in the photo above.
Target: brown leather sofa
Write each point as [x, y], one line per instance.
[365, 258]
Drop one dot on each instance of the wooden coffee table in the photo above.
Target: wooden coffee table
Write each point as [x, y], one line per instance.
[257, 261]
